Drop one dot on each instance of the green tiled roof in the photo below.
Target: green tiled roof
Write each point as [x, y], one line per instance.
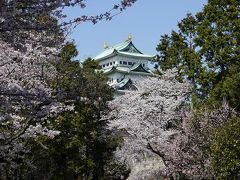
[105, 53]
[123, 83]
[122, 45]
[114, 68]
[139, 68]
[136, 69]
[125, 48]
[136, 54]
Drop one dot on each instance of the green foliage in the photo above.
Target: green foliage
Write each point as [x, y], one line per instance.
[90, 64]
[225, 150]
[206, 51]
[85, 143]
[169, 49]
[228, 88]
[85, 146]
[68, 52]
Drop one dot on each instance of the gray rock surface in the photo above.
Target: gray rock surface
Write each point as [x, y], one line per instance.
[148, 169]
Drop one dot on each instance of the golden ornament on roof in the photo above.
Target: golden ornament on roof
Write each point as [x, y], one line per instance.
[105, 46]
[129, 37]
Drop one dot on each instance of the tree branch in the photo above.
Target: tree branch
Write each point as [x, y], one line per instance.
[160, 154]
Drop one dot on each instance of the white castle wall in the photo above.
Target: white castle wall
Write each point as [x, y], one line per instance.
[119, 60]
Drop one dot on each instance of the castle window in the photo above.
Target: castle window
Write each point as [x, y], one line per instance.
[125, 62]
[110, 63]
[143, 65]
[120, 62]
[107, 64]
[103, 65]
[130, 63]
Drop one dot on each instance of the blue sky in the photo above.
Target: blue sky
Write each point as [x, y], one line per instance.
[146, 20]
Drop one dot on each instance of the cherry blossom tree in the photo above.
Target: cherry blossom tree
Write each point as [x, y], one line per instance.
[26, 98]
[188, 152]
[32, 35]
[163, 135]
[38, 15]
[147, 119]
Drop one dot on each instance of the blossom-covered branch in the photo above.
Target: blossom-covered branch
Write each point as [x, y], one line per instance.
[148, 118]
[31, 15]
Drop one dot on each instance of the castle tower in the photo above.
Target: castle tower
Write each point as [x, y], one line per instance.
[124, 64]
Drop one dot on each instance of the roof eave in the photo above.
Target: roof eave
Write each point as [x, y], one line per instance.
[141, 73]
[114, 53]
[132, 55]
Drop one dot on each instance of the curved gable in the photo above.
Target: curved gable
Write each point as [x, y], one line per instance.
[131, 49]
[139, 68]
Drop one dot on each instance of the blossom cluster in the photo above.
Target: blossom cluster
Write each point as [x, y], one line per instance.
[148, 117]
